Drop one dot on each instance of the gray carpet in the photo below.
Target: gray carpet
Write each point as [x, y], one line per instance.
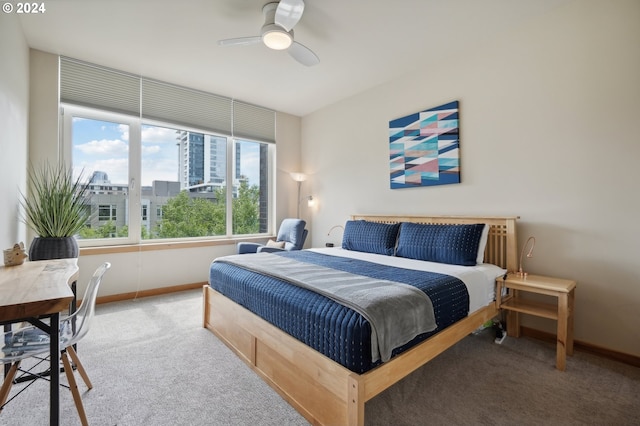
[152, 363]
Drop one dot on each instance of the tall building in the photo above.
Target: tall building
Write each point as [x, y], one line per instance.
[215, 159]
[195, 172]
[202, 161]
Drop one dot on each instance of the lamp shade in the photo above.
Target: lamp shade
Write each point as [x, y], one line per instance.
[298, 177]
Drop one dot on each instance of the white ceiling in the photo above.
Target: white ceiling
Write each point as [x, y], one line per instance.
[361, 43]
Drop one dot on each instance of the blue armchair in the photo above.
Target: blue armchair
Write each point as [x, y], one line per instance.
[291, 233]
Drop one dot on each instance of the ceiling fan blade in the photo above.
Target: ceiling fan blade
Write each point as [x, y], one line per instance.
[240, 41]
[303, 54]
[289, 13]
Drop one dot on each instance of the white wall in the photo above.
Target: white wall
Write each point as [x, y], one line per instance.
[288, 160]
[549, 124]
[14, 119]
[145, 270]
[44, 117]
[550, 118]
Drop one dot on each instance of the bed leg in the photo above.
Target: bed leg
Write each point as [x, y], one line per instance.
[355, 406]
[205, 306]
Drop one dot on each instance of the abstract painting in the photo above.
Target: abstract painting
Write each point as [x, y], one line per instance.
[424, 148]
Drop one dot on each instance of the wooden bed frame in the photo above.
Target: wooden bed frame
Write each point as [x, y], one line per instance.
[323, 391]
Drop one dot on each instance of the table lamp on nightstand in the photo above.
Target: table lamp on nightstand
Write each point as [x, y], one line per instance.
[329, 233]
[520, 272]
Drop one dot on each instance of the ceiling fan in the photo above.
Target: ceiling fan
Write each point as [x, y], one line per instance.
[277, 31]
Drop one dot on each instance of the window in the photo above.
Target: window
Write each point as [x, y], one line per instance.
[106, 212]
[202, 162]
[183, 174]
[251, 167]
[100, 149]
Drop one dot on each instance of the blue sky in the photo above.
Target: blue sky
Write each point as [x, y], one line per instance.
[104, 146]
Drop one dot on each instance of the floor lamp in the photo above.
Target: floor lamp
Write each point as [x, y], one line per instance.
[298, 177]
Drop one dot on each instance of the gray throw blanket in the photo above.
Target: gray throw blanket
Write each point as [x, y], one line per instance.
[397, 312]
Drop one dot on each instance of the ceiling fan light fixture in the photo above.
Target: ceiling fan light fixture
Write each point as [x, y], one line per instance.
[277, 32]
[276, 38]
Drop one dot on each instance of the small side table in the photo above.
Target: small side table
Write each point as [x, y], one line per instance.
[562, 312]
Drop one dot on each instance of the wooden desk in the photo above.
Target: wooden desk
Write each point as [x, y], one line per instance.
[562, 311]
[37, 289]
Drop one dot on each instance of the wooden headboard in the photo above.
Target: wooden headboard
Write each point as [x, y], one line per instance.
[502, 243]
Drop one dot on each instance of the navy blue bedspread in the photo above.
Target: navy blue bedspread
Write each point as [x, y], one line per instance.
[328, 327]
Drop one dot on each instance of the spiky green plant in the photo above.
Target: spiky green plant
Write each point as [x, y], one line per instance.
[55, 205]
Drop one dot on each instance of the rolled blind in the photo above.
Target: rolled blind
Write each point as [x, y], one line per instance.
[180, 105]
[253, 122]
[89, 85]
[94, 86]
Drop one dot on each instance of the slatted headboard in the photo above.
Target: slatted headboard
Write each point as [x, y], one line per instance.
[501, 246]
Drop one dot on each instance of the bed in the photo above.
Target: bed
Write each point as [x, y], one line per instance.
[326, 386]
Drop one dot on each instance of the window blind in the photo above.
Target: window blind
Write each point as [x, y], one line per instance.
[89, 85]
[253, 122]
[180, 105]
[98, 87]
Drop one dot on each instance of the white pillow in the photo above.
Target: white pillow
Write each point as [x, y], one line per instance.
[276, 244]
[482, 244]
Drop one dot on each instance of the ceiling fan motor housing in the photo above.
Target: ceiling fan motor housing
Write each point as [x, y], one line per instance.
[277, 31]
[273, 35]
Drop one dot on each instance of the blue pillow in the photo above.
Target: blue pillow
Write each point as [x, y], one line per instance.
[370, 237]
[453, 244]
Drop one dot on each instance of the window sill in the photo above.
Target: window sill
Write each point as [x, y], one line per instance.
[133, 248]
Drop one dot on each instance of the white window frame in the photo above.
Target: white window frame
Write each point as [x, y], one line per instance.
[134, 221]
[68, 111]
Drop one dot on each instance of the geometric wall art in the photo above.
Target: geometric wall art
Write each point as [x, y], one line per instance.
[424, 148]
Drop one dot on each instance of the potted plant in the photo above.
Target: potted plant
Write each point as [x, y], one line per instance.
[55, 208]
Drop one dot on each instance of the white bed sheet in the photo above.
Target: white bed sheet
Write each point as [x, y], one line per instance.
[480, 279]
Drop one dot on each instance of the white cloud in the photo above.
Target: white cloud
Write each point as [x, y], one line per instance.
[153, 149]
[124, 131]
[164, 169]
[116, 169]
[104, 147]
[161, 135]
[250, 162]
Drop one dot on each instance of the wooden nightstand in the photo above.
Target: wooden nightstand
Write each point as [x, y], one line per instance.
[563, 290]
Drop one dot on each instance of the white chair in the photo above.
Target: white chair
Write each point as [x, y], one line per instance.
[31, 342]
